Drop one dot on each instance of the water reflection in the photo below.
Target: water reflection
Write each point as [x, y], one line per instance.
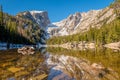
[60, 64]
[43, 50]
[85, 65]
[15, 66]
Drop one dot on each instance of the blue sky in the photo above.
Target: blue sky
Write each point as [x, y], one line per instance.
[57, 9]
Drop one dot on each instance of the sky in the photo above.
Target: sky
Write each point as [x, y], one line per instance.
[57, 9]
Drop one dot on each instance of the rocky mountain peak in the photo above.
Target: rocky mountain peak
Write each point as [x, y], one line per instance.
[34, 11]
[76, 16]
[39, 17]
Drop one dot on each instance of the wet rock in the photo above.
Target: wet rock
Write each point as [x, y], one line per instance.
[26, 50]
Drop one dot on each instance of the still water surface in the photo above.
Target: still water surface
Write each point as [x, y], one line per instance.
[60, 64]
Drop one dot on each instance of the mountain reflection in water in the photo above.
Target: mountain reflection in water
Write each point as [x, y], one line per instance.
[60, 64]
[79, 65]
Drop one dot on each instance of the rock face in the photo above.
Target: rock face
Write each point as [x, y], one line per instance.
[39, 17]
[80, 22]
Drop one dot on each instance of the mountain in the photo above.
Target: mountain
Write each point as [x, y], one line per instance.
[36, 26]
[40, 21]
[25, 27]
[12, 30]
[96, 26]
[81, 22]
[39, 17]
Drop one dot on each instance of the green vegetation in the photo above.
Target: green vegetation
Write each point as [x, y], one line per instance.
[16, 29]
[106, 34]
[8, 30]
[116, 7]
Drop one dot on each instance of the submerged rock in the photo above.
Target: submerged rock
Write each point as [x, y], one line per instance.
[26, 50]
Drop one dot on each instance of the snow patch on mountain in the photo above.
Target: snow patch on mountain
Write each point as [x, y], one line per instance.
[34, 11]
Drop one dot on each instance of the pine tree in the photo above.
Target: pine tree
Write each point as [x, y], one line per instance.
[1, 15]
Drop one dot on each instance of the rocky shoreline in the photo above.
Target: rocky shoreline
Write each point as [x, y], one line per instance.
[76, 45]
[83, 45]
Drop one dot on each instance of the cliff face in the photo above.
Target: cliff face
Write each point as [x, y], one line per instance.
[81, 22]
[39, 21]
[39, 17]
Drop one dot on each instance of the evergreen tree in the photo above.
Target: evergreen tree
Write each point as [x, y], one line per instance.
[1, 15]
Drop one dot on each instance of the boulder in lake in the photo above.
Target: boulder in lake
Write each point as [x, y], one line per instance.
[26, 50]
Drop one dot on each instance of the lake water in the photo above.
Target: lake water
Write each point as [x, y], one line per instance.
[60, 64]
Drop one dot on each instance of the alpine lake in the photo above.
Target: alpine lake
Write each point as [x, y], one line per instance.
[60, 64]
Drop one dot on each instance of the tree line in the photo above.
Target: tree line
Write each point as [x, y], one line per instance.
[106, 34]
[8, 30]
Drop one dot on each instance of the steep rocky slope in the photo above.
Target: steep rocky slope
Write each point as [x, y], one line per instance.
[81, 22]
[39, 20]
[39, 17]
